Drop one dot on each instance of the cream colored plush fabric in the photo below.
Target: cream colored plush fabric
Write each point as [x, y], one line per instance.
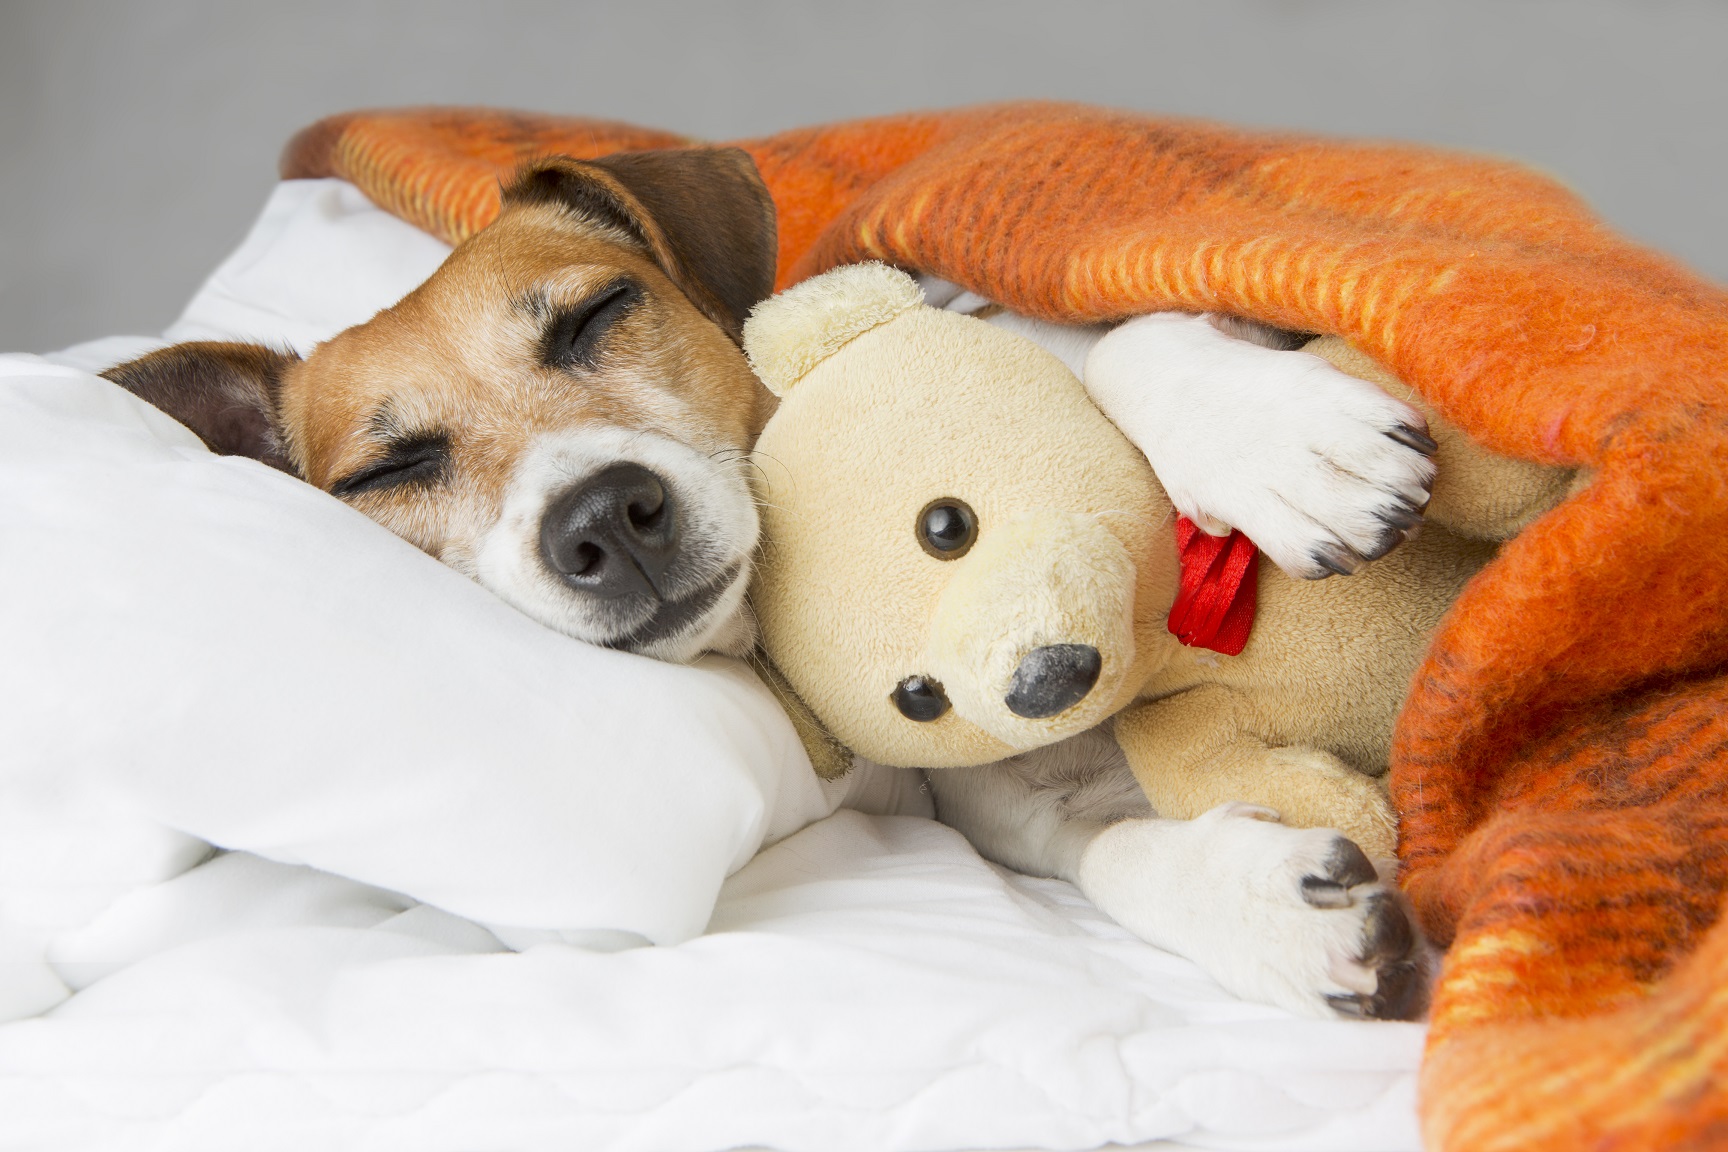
[913, 410]
[802, 329]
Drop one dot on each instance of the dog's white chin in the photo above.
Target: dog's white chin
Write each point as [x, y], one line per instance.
[729, 629]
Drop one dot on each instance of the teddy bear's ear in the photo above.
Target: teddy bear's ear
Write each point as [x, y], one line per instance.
[789, 334]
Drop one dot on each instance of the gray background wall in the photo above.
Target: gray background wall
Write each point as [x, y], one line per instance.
[137, 140]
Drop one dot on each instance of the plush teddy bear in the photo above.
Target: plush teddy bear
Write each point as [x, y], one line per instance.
[964, 559]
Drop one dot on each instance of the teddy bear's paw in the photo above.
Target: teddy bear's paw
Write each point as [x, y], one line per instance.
[1288, 916]
[1314, 789]
[1322, 470]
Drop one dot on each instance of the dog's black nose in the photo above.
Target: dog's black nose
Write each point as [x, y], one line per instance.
[614, 535]
[1053, 679]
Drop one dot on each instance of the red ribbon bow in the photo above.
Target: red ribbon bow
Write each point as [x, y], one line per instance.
[1220, 577]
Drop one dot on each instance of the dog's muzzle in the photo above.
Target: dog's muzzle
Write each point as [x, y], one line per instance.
[619, 539]
[615, 535]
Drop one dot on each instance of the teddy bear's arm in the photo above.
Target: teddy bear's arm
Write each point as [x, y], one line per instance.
[1191, 752]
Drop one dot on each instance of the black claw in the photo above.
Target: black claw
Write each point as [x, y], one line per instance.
[1324, 893]
[1414, 438]
[1387, 935]
[1383, 544]
[1401, 521]
[1348, 865]
[1335, 559]
[1411, 505]
[1401, 516]
[1355, 1007]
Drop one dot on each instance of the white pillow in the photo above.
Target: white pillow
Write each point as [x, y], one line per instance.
[200, 647]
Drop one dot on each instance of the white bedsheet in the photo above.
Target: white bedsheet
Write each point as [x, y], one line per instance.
[201, 651]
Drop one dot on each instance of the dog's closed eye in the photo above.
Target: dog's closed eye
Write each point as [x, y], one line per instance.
[419, 460]
[572, 337]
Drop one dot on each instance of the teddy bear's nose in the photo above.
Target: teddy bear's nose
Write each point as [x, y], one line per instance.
[1053, 679]
[615, 535]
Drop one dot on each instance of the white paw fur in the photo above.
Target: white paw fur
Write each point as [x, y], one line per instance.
[1321, 470]
[1287, 916]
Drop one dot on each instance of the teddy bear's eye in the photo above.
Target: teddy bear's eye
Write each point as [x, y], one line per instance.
[919, 698]
[947, 528]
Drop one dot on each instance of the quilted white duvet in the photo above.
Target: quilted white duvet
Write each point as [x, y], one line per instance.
[307, 842]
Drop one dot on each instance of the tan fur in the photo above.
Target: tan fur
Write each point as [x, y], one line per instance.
[498, 415]
[1302, 719]
[457, 354]
[1303, 716]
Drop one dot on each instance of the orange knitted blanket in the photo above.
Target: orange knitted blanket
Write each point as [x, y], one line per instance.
[1561, 767]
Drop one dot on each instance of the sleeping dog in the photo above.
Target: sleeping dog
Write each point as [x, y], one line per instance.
[562, 412]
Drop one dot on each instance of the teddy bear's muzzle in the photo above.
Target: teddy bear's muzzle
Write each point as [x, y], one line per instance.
[1034, 634]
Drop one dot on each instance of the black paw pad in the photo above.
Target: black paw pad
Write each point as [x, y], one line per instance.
[1392, 949]
[1344, 868]
[1386, 932]
[1349, 865]
[1403, 515]
[1324, 893]
[1402, 992]
[1384, 543]
[1401, 522]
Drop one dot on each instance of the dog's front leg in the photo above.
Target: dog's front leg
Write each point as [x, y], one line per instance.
[1288, 916]
[1320, 469]
[1037, 812]
[1012, 821]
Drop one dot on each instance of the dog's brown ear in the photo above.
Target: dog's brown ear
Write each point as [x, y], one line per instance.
[226, 393]
[703, 214]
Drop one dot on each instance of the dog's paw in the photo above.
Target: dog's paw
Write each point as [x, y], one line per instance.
[1368, 963]
[1323, 471]
[1287, 916]
[1337, 474]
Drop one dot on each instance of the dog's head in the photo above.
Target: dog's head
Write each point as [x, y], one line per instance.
[561, 411]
